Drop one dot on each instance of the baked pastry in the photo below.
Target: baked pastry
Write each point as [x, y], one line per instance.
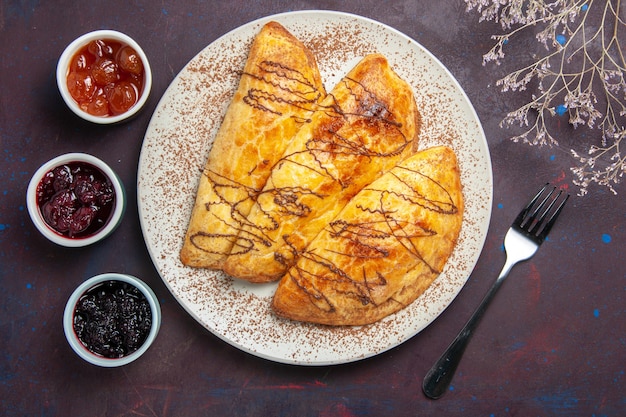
[367, 124]
[383, 250]
[278, 93]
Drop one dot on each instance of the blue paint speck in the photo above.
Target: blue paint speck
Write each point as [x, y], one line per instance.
[504, 42]
[3, 227]
[606, 238]
[29, 285]
[552, 157]
[500, 205]
[596, 312]
[164, 11]
[518, 345]
[561, 39]
[584, 7]
[561, 109]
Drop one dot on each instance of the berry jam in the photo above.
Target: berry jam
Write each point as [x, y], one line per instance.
[112, 319]
[76, 199]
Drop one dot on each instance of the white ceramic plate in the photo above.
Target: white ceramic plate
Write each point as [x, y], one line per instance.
[178, 141]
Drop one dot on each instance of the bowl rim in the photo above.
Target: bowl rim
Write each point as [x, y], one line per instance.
[63, 68]
[37, 218]
[68, 319]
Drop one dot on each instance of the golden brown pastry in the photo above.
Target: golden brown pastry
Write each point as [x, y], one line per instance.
[278, 92]
[368, 123]
[383, 250]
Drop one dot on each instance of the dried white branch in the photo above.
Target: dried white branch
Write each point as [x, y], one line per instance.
[582, 73]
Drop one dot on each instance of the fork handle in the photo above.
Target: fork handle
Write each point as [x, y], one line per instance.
[438, 378]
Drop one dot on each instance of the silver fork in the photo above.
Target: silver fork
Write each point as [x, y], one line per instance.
[521, 242]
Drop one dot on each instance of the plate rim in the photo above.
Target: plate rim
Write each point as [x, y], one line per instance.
[458, 89]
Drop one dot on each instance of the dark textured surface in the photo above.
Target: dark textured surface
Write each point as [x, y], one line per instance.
[552, 343]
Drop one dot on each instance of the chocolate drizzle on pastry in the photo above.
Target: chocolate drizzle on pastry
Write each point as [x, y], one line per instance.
[282, 86]
[279, 90]
[382, 250]
[365, 126]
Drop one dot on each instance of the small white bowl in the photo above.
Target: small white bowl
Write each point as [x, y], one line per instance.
[63, 69]
[68, 320]
[35, 213]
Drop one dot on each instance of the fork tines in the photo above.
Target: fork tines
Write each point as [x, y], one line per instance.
[532, 219]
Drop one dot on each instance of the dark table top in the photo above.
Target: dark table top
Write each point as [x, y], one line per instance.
[552, 342]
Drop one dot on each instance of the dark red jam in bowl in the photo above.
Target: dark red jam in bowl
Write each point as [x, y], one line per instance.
[76, 199]
[112, 319]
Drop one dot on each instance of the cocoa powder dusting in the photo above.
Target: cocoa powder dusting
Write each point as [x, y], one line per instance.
[178, 141]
